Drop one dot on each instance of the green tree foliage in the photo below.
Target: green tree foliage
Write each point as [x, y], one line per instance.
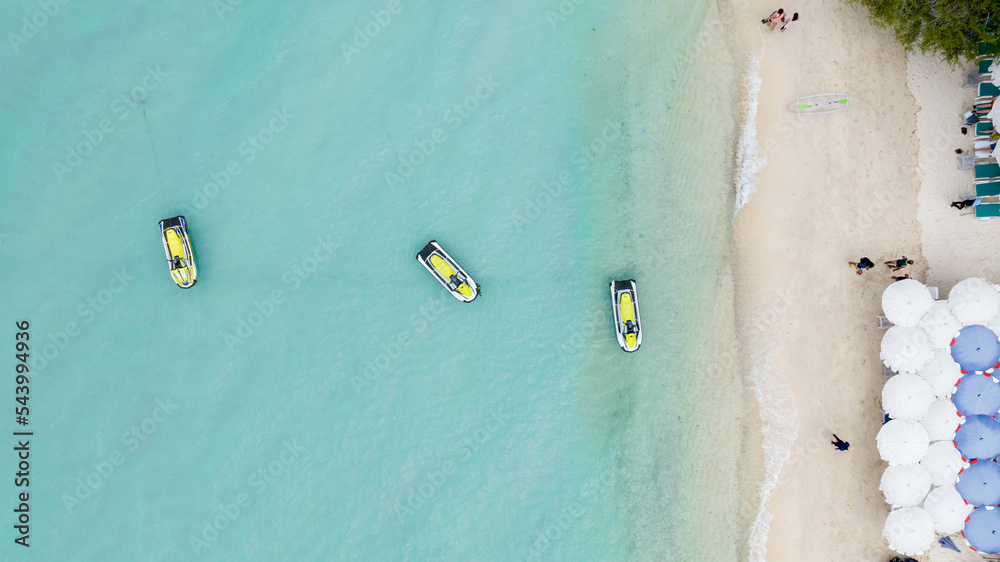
[949, 28]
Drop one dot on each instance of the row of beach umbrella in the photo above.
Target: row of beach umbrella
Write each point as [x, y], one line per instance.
[973, 347]
[909, 398]
[910, 530]
[942, 438]
[971, 301]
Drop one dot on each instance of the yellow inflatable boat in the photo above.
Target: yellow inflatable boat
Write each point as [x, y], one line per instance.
[448, 272]
[180, 256]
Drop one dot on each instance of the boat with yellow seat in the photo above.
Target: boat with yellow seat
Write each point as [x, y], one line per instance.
[625, 303]
[180, 255]
[447, 271]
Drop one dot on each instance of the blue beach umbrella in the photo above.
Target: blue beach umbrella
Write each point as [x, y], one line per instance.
[977, 394]
[978, 438]
[946, 542]
[979, 484]
[982, 530]
[975, 348]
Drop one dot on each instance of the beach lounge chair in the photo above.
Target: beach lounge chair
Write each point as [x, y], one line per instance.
[988, 89]
[983, 130]
[981, 108]
[988, 189]
[989, 211]
[987, 171]
[984, 66]
[983, 151]
[883, 323]
[983, 100]
[987, 49]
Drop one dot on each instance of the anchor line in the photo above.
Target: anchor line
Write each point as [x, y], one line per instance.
[155, 161]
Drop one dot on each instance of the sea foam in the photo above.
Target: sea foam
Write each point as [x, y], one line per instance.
[779, 428]
[749, 159]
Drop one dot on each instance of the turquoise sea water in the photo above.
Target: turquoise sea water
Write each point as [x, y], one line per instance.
[317, 396]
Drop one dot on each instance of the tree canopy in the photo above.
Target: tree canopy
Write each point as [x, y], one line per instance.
[950, 28]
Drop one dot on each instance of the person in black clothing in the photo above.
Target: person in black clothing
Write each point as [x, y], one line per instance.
[840, 444]
[967, 203]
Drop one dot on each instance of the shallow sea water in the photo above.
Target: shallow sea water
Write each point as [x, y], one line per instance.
[317, 396]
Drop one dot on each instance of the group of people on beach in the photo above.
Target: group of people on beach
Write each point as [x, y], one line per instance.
[894, 265]
[779, 16]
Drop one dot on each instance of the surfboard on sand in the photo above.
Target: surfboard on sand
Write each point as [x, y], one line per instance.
[823, 103]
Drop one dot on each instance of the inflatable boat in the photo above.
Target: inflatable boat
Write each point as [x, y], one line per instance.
[180, 256]
[626, 312]
[447, 272]
[823, 103]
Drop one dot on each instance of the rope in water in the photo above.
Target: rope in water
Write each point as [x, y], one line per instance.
[412, 200]
[154, 156]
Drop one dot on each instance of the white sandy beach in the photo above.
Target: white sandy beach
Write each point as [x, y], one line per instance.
[875, 181]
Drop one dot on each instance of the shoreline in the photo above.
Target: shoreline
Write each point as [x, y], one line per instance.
[834, 188]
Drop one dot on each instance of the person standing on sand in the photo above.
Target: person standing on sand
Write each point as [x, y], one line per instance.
[840, 444]
[774, 18]
[792, 22]
[896, 265]
[861, 265]
[781, 20]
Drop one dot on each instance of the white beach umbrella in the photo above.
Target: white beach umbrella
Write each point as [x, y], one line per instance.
[941, 373]
[943, 462]
[947, 508]
[902, 442]
[994, 323]
[940, 325]
[905, 350]
[905, 485]
[905, 302]
[906, 397]
[974, 301]
[941, 420]
[994, 113]
[909, 530]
